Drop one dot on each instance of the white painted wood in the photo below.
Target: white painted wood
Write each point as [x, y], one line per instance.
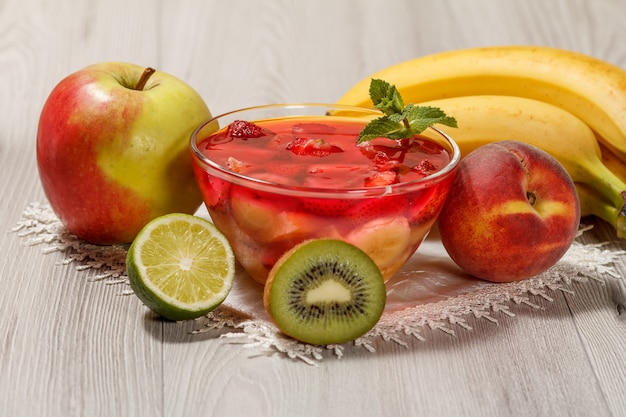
[70, 347]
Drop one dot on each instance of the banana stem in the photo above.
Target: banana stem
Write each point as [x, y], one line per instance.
[613, 189]
[592, 203]
[620, 222]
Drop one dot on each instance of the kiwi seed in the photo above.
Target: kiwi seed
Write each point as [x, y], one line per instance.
[325, 291]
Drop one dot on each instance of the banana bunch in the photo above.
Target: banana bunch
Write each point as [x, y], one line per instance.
[571, 105]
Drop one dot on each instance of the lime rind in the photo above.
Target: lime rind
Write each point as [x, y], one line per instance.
[181, 266]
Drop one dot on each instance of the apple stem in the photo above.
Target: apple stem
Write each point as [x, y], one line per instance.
[147, 73]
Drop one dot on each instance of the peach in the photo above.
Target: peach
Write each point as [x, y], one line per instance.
[511, 214]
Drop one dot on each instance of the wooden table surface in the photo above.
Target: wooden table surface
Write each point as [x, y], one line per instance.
[70, 346]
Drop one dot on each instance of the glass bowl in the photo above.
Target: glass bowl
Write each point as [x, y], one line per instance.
[296, 173]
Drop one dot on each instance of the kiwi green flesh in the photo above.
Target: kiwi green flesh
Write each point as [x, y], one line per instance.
[327, 292]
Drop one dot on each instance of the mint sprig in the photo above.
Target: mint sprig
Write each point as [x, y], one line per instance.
[399, 121]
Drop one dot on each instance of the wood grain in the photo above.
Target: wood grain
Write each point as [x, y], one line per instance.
[72, 347]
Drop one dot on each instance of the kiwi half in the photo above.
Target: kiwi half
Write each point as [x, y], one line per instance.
[325, 291]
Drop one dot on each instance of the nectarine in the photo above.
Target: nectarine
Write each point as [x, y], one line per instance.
[512, 212]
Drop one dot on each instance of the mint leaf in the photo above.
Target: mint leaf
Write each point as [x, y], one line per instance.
[400, 121]
[385, 97]
[383, 127]
[422, 117]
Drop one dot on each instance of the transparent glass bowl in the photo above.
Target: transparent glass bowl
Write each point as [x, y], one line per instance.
[263, 219]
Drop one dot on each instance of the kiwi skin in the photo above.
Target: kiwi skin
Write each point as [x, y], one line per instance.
[356, 317]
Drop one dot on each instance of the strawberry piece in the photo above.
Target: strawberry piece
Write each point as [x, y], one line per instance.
[327, 207]
[385, 157]
[215, 191]
[312, 147]
[383, 162]
[374, 208]
[426, 205]
[425, 167]
[381, 178]
[236, 165]
[245, 130]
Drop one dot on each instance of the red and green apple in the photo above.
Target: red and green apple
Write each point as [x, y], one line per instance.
[112, 149]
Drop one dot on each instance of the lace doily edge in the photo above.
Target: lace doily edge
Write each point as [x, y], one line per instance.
[39, 226]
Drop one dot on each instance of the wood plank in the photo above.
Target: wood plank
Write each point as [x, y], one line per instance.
[70, 346]
[600, 318]
[442, 376]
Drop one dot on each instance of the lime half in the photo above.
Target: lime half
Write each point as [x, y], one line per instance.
[181, 266]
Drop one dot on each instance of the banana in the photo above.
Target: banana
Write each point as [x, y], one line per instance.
[593, 203]
[485, 119]
[617, 166]
[268, 224]
[613, 162]
[591, 89]
[385, 241]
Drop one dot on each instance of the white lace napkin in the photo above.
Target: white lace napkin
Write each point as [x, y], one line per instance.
[430, 291]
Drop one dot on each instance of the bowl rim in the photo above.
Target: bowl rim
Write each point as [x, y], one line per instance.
[223, 173]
